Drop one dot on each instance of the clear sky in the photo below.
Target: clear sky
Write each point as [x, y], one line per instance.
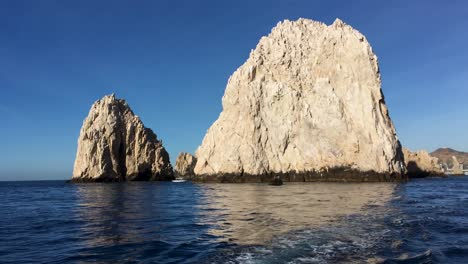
[171, 60]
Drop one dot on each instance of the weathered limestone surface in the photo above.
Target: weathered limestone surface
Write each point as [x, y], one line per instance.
[421, 164]
[307, 104]
[114, 145]
[185, 164]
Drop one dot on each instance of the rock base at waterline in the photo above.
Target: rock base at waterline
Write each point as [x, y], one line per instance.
[332, 175]
[111, 179]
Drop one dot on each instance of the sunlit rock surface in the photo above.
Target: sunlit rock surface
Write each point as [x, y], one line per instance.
[421, 164]
[184, 164]
[307, 104]
[114, 145]
[456, 169]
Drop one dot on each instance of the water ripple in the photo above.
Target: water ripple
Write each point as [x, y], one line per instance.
[55, 222]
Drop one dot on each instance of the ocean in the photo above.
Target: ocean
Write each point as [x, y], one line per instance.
[421, 221]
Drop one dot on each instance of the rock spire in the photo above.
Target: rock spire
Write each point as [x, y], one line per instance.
[114, 145]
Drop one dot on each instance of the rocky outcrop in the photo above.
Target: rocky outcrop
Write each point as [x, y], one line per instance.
[456, 168]
[114, 145]
[421, 164]
[185, 164]
[307, 104]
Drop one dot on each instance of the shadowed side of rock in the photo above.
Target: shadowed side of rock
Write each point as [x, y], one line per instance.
[115, 146]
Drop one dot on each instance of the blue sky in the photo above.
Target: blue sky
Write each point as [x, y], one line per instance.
[171, 60]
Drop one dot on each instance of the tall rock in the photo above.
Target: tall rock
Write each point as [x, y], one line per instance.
[421, 164]
[456, 168]
[307, 104]
[185, 164]
[114, 145]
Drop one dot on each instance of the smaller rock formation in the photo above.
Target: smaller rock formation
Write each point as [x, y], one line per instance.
[114, 145]
[185, 164]
[456, 168]
[421, 164]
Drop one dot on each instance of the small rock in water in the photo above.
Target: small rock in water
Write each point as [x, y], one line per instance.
[276, 181]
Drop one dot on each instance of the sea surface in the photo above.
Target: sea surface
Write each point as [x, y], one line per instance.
[422, 221]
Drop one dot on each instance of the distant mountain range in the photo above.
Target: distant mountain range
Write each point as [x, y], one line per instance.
[445, 155]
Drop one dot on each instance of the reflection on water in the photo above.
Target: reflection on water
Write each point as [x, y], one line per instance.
[137, 213]
[137, 220]
[253, 214]
[112, 213]
[55, 222]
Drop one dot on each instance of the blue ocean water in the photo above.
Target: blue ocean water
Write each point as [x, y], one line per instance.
[422, 221]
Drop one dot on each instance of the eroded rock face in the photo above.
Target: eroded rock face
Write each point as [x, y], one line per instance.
[114, 145]
[185, 164]
[307, 101]
[421, 164]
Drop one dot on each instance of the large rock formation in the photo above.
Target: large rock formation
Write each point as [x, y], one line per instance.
[307, 104]
[115, 146]
[185, 164]
[421, 164]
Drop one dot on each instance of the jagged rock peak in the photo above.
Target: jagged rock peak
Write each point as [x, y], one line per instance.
[185, 164]
[338, 23]
[421, 164]
[307, 99]
[114, 145]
